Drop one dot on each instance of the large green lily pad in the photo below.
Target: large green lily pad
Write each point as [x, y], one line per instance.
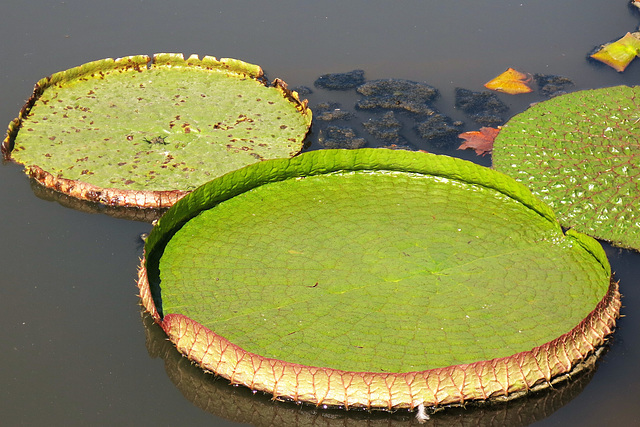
[580, 153]
[376, 278]
[114, 131]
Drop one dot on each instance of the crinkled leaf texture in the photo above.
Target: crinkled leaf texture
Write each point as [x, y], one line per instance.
[137, 132]
[580, 154]
[376, 278]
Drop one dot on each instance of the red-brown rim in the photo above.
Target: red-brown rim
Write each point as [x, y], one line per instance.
[113, 197]
[495, 379]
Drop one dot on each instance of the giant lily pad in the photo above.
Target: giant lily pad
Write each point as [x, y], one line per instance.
[376, 278]
[579, 153]
[136, 132]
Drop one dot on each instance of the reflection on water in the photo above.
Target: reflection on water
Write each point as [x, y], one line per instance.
[130, 213]
[239, 404]
[74, 352]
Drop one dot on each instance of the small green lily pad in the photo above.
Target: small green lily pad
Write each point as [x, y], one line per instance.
[165, 125]
[376, 278]
[580, 153]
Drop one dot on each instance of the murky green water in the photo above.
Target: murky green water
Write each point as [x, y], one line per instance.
[74, 350]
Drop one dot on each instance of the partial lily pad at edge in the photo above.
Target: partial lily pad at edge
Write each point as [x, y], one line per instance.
[580, 154]
[376, 278]
[140, 132]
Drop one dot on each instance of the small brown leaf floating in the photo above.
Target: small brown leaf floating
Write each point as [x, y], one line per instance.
[619, 53]
[511, 81]
[481, 141]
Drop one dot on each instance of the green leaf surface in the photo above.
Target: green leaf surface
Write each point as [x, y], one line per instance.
[374, 260]
[580, 154]
[173, 126]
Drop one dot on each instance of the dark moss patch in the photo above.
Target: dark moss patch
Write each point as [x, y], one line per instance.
[386, 129]
[550, 85]
[439, 129]
[396, 94]
[484, 108]
[331, 111]
[491, 120]
[303, 90]
[329, 116]
[340, 81]
[340, 137]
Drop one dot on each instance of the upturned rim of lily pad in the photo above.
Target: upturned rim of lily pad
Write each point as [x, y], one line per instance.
[496, 379]
[122, 197]
[224, 400]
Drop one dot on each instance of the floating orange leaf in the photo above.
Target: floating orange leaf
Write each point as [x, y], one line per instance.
[511, 82]
[481, 141]
[619, 53]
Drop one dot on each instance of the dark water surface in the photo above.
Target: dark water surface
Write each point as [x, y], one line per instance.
[74, 350]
